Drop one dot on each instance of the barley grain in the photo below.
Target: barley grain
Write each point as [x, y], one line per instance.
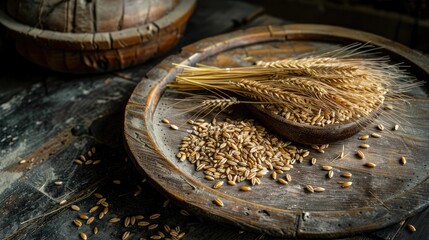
[360, 154]
[327, 168]
[288, 177]
[83, 216]
[93, 209]
[83, 236]
[152, 227]
[309, 188]
[98, 195]
[380, 127]
[174, 127]
[95, 230]
[62, 202]
[77, 223]
[75, 207]
[396, 127]
[218, 202]
[165, 120]
[274, 175]
[245, 188]
[155, 216]
[363, 145]
[232, 183]
[114, 220]
[127, 221]
[375, 135]
[125, 235]
[90, 220]
[184, 212]
[218, 185]
[346, 174]
[364, 137]
[313, 161]
[58, 183]
[96, 162]
[83, 158]
[319, 189]
[330, 174]
[370, 165]
[282, 181]
[78, 162]
[347, 184]
[143, 224]
[116, 181]
[411, 228]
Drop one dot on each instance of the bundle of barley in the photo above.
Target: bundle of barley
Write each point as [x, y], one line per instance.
[317, 90]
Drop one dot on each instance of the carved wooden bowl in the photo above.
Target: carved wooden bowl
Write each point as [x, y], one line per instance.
[94, 36]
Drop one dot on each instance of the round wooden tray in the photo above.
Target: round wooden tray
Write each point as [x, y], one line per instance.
[378, 197]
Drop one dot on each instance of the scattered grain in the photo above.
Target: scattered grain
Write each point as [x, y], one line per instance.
[114, 220]
[90, 220]
[370, 165]
[319, 189]
[360, 154]
[174, 127]
[411, 228]
[245, 188]
[165, 120]
[327, 168]
[346, 174]
[95, 230]
[184, 212]
[152, 227]
[127, 221]
[288, 177]
[22, 161]
[116, 181]
[155, 237]
[282, 181]
[77, 223]
[375, 135]
[101, 215]
[181, 235]
[309, 188]
[313, 161]
[380, 127]
[83, 216]
[232, 183]
[82, 157]
[132, 220]
[218, 202]
[364, 137]
[364, 145]
[330, 174]
[347, 184]
[75, 207]
[218, 185]
[78, 162]
[89, 162]
[62, 202]
[93, 209]
[155, 216]
[143, 224]
[125, 235]
[83, 236]
[274, 175]
[396, 127]
[96, 162]
[98, 195]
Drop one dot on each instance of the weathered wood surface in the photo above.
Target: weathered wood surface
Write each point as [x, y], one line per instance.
[54, 118]
[379, 197]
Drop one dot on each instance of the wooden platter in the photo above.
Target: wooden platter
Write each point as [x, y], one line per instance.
[378, 197]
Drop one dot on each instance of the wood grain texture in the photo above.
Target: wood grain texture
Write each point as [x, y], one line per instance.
[379, 197]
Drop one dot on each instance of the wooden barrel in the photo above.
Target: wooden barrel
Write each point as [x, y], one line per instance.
[94, 35]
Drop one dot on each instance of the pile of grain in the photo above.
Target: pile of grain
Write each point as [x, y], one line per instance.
[237, 150]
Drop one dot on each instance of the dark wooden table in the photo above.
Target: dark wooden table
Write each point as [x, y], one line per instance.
[49, 119]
